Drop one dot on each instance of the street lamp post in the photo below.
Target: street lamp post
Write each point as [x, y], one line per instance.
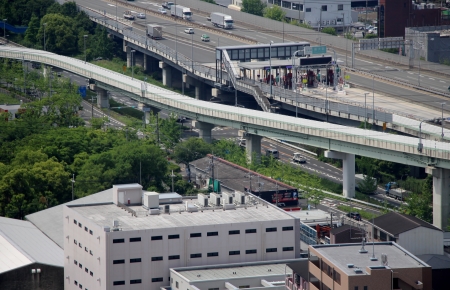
[84, 38]
[45, 24]
[296, 88]
[192, 51]
[442, 121]
[270, 67]
[365, 109]
[132, 63]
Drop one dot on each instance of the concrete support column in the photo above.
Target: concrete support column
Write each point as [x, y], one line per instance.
[348, 171]
[139, 59]
[166, 73]
[145, 63]
[124, 46]
[441, 191]
[253, 147]
[102, 98]
[46, 71]
[205, 130]
[200, 91]
[129, 64]
[147, 109]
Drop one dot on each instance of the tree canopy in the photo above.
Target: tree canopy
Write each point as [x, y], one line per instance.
[274, 12]
[254, 7]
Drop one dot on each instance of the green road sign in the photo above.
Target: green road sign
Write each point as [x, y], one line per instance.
[315, 49]
[347, 77]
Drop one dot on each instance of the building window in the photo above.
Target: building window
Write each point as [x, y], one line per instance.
[233, 253]
[86, 229]
[286, 4]
[116, 283]
[213, 254]
[75, 242]
[80, 286]
[118, 241]
[92, 274]
[119, 262]
[156, 238]
[85, 249]
[81, 266]
[366, 287]
[160, 279]
[86, 270]
[268, 230]
[210, 234]
[135, 240]
[337, 277]
[340, 7]
[213, 288]
[250, 231]
[79, 245]
[244, 286]
[324, 8]
[171, 237]
[75, 221]
[135, 260]
[79, 224]
[271, 250]
[196, 255]
[356, 287]
[137, 281]
[308, 10]
[296, 6]
[75, 282]
[176, 284]
[235, 232]
[90, 252]
[196, 235]
[288, 249]
[174, 257]
[250, 251]
[157, 258]
[288, 229]
[91, 232]
[75, 262]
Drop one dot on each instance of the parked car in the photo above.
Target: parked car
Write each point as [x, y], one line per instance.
[374, 30]
[162, 11]
[354, 215]
[369, 27]
[205, 37]
[140, 15]
[189, 30]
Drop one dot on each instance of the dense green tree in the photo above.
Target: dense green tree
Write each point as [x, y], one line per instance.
[274, 12]
[170, 131]
[368, 185]
[32, 31]
[329, 30]
[254, 7]
[69, 9]
[191, 149]
[18, 12]
[60, 33]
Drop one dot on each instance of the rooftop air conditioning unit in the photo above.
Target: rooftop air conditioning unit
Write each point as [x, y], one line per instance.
[167, 208]
[153, 211]
[202, 199]
[115, 223]
[215, 198]
[228, 198]
[240, 197]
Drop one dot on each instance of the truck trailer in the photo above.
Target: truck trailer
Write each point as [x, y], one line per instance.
[154, 31]
[396, 192]
[181, 12]
[221, 20]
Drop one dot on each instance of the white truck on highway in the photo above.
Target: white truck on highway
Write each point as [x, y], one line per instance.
[154, 31]
[181, 12]
[128, 15]
[221, 20]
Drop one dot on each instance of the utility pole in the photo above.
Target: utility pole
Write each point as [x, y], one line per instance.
[140, 173]
[157, 127]
[172, 175]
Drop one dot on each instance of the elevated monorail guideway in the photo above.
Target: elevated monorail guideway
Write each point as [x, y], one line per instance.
[340, 141]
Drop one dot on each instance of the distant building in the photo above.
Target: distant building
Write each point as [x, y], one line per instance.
[13, 111]
[136, 240]
[395, 15]
[28, 259]
[430, 43]
[252, 275]
[413, 234]
[440, 265]
[346, 234]
[349, 267]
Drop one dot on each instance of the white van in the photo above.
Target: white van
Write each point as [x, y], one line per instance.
[298, 158]
[242, 143]
[272, 153]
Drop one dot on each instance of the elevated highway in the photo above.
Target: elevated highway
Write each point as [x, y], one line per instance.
[339, 141]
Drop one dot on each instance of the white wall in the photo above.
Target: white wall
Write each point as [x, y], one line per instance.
[184, 246]
[422, 241]
[313, 18]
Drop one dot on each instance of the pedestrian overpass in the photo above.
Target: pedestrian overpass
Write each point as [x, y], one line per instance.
[339, 141]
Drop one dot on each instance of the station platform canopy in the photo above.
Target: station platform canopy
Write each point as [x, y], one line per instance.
[305, 62]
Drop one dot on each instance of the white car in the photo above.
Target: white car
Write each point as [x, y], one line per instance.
[189, 30]
[162, 11]
[140, 15]
[374, 30]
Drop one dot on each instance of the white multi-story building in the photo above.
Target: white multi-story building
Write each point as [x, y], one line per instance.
[317, 13]
[132, 246]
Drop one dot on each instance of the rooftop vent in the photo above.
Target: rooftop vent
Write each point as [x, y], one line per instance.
[166, 208]
[115, 223]
[384, 260]
[358, 271]
[350, 265]
[153, 211]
